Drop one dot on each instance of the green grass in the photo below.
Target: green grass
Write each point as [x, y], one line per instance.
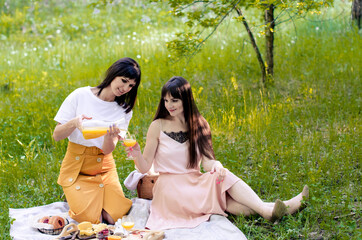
[303, 129]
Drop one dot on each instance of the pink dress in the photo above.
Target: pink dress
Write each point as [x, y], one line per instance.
[182, 197]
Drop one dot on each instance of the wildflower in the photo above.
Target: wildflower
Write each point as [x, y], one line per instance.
[145, 19]
[138, 56]
[96, 11]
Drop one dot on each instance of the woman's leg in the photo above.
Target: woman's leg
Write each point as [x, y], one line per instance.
[106, 217]
[248, 203]
[237, 208]
[295, 203]
[243, 194]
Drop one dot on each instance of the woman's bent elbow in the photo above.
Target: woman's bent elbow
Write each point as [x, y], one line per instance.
[56, 138]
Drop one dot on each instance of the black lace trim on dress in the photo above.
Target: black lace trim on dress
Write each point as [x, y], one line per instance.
[180, 136]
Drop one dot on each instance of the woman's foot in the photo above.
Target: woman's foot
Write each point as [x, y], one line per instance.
[295, 203]
[279, 210]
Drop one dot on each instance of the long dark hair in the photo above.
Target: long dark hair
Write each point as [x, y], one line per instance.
[128, 68]
[199, 130]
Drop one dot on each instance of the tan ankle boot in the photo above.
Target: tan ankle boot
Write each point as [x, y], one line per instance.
[279, 210]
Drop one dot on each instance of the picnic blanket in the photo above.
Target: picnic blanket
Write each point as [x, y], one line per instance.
[217, 228]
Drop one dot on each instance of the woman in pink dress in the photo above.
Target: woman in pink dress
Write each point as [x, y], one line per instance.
[178, 142]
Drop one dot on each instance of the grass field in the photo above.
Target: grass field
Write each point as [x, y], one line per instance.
[303, 129]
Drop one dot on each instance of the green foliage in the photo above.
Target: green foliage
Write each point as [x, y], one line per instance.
[203, 18]
[303, 130]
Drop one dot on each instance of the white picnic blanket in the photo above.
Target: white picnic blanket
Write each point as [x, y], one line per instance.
[217, 228]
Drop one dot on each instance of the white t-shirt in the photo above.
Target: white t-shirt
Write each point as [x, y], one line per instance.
[83, 101]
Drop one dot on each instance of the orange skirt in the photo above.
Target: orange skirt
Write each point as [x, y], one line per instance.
[96, 187]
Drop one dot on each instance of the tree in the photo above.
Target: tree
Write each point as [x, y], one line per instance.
[357, 12]
[204, 18]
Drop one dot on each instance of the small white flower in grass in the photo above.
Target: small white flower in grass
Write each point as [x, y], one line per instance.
[209, 58]
[292, 41]
[222, 47]
[138, 56]
[122, 43]
[84, 45]
[317, 28]
[145, 19]
[25, 54]
[34, 49]
[169, 56]
[237, 50]
[142, 42]
[134, 38]
[96, 11]
[128, 36]
[58, 31]
[148, 27]
[134, 33]
[9, 62]
[13, 52]
[46, 49]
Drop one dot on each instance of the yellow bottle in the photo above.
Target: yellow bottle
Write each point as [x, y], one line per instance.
[94, 132]
[97, 128]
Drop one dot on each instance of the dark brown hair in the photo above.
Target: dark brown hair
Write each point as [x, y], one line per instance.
[128, 68]
[199, 130]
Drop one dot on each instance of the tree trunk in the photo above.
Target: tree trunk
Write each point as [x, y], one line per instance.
[253, 42]
[357, 12]
[269, 39]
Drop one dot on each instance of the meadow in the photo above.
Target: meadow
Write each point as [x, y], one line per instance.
[305, 128]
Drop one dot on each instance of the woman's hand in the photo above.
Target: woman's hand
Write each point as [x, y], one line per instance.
[220, 170]
[62, 131]
[113, 132]
[110, 139]
[133, 151]
[78, 121]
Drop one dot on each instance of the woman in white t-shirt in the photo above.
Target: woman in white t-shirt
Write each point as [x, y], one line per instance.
[88, 172]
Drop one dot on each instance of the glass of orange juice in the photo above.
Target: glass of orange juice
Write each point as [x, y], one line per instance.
[129, 141]
[128, 223]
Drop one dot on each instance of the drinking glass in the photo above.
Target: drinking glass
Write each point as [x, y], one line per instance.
[127, 223]
[130, 141]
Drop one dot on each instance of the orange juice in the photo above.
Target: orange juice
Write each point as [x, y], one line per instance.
[129, 142]
[94, 132]
[114, 237]
[128, 225]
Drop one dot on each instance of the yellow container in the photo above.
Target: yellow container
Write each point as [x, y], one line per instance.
[113, 237]
[94, 132]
